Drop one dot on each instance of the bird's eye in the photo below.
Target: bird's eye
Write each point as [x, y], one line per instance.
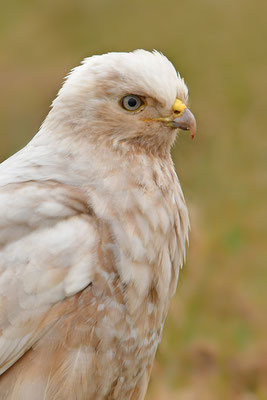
[132, 102]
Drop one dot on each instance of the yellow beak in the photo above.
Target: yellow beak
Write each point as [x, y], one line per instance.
[182, 118]
[178, 107]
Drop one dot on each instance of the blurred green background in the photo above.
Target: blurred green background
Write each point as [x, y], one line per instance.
[214, 344]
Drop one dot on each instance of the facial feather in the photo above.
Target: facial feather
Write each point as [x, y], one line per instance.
[88, 103]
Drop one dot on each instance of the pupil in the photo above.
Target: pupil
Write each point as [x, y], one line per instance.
[132, 102]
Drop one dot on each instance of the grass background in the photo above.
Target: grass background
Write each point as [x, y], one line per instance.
[214, 344]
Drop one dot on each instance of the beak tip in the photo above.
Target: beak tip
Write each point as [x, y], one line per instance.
[186, 122]
[193, 130]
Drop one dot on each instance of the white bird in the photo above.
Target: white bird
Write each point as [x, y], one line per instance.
[93, 230]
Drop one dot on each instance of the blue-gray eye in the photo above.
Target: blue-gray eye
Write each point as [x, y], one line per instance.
[132, 102]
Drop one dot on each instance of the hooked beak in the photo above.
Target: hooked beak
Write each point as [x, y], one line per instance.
[186, 122]
[182, 118]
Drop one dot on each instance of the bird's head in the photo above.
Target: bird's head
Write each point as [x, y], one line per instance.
[134, 99]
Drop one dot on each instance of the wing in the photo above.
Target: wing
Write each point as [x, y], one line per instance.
[48, 239]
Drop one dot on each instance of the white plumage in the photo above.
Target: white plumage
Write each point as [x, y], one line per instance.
[93, 228]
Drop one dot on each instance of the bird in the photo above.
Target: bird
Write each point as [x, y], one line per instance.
[93, 232]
